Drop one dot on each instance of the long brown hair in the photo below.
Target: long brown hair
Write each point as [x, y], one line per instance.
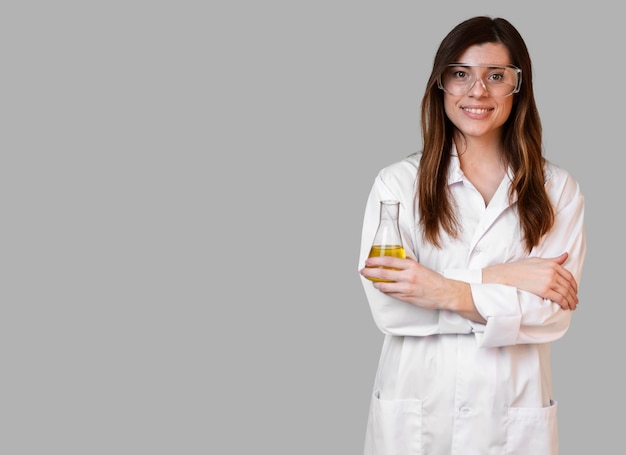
[522, 138]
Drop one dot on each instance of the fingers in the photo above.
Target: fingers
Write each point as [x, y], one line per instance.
[379, 273]
[565, 287]
[387, 261]
[563, 302]
[564, 299]
[565, 294]
[561, 259]
[566, 278]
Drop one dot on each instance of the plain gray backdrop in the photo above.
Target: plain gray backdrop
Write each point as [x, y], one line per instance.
[182, 188]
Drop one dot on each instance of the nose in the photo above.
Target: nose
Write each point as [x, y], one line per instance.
[482, 88]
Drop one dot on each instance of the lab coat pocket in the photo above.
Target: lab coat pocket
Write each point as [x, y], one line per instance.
[394, 427]
[532, 431]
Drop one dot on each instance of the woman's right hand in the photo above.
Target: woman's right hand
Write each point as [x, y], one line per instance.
[545, 277]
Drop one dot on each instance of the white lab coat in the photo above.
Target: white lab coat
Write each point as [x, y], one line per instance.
[448, 385]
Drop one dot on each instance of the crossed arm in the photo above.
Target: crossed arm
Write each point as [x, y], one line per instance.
[416, 284]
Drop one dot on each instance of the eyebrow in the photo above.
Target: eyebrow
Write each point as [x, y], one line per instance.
[482, 65]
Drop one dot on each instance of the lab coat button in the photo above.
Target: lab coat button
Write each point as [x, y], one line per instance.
[464, 411]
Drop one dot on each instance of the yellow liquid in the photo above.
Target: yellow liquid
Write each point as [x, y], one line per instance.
[397, 251]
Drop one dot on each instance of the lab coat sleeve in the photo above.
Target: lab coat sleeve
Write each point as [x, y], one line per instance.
[517, 317]
[393, 316]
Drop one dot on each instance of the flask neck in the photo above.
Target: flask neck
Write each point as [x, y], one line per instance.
[388, 232]
[389, 211]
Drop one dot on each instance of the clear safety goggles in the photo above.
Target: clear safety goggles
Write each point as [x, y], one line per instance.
[460, 78]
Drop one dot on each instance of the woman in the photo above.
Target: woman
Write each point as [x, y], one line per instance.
[495, 244]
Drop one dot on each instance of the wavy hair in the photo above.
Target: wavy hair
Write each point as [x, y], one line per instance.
[522, 138]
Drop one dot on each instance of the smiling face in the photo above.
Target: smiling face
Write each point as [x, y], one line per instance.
[478, 114]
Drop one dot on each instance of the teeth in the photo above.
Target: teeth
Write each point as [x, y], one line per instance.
[476, 111]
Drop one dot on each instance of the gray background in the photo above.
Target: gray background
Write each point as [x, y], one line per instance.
[182, 188]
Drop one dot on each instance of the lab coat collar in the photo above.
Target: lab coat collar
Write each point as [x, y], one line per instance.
[455, 174]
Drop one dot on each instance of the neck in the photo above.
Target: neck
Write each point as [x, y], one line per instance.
[486, 149]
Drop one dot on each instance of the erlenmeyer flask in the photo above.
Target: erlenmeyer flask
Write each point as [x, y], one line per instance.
[387, 241]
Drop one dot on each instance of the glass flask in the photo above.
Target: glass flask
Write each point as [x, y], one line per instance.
[387, 241]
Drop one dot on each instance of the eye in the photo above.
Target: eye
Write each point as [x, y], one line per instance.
[496, 77]
[459, 74]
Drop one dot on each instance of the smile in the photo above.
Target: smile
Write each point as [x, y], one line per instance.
[475, 110]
